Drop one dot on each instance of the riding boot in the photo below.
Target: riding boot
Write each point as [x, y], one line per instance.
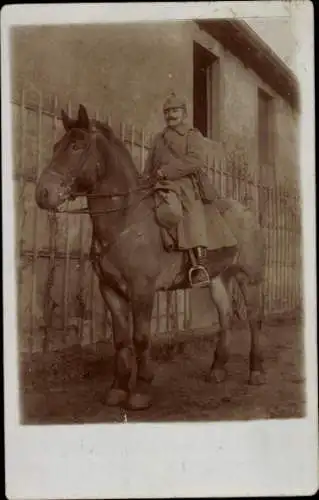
[200, 276]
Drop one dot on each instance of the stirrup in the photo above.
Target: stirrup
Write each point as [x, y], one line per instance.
[201, 283]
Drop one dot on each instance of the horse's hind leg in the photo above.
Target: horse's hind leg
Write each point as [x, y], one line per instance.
[222, 301]
[253, 301]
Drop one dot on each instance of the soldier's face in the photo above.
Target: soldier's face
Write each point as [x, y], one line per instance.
[174, 116]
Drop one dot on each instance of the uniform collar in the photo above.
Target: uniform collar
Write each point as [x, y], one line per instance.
[181, 129]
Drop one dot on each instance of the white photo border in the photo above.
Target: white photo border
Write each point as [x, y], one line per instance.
[255, 458]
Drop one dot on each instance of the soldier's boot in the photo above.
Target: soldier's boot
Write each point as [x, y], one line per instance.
[198, 274]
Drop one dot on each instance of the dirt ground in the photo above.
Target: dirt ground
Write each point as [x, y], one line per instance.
[71, 387]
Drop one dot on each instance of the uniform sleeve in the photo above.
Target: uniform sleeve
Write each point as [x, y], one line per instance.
[191, 162]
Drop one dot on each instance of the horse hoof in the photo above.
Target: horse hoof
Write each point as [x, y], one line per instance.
[116, 397]
[257, 378]
[218, 375]
[139, 401]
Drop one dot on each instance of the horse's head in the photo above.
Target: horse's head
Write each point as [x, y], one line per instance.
[74, 165]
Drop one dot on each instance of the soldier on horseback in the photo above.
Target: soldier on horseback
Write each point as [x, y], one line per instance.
[177, 156]
[127, 256]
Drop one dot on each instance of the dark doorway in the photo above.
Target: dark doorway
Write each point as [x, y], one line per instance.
[206, 91]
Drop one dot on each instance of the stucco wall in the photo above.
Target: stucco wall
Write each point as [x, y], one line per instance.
[126, 71]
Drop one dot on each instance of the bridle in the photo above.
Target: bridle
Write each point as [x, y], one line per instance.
[149, 187]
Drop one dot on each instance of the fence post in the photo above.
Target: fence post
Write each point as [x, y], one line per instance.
[272, 244]
[132, 139]
[67, 266]
[122, 131]
[142, 163]
[49, 304]
[21, 207]
[35, 172]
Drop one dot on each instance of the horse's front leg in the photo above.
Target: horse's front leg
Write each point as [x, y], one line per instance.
[119, 307]
[142, 306]
[125, 363]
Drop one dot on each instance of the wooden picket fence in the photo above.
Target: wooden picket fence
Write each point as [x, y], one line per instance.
[59, 299]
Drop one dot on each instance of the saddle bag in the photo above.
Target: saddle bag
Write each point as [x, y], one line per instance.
[169, 210]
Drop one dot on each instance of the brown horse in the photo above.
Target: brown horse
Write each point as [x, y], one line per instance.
[129, 258]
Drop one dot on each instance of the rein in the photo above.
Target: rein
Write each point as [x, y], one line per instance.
[86, 210]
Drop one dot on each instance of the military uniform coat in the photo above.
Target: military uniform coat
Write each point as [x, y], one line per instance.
[180, 169]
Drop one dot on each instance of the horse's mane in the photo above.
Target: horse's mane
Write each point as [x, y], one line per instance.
[109, 134]
[120, 149]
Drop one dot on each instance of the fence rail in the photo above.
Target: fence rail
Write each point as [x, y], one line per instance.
[59, 301]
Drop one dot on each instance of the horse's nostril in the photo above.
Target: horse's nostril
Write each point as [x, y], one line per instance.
[45, 193]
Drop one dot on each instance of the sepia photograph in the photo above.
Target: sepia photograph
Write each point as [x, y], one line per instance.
[158, 220]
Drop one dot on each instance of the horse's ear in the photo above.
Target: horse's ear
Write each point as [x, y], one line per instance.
[83, 118]
[65, 120]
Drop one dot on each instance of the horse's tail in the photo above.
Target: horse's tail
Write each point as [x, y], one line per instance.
[230, 277]
[239, 275]
[248, 267]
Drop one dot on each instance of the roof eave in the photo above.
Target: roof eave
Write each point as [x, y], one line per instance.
[246, 45]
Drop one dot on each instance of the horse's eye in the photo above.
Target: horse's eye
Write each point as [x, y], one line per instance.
[75, 146]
